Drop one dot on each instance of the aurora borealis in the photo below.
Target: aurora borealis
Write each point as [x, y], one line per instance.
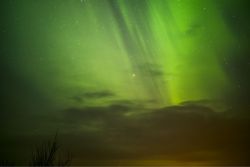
[132, 81]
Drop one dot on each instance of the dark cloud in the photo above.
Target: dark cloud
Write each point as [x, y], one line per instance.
[95, 113]
[124, 102]
[151, 70]
[189, 132]
[135, 103]
[181, 133]
[216, 105]
[93, 95]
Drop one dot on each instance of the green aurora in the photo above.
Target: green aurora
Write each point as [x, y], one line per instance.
[165, 51]
[62, 54]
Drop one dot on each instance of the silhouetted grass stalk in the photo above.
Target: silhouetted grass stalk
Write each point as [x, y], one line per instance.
[47, 155]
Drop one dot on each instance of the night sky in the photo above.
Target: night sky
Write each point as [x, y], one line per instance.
[140, 82]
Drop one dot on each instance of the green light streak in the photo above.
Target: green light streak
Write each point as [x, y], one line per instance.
[166, 51]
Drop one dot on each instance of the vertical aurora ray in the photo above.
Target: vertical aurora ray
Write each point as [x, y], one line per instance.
[135, 34]
[184, 39]
[191, 39]
[146, 50]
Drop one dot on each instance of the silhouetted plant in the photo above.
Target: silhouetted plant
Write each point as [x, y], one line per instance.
[48, 155]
